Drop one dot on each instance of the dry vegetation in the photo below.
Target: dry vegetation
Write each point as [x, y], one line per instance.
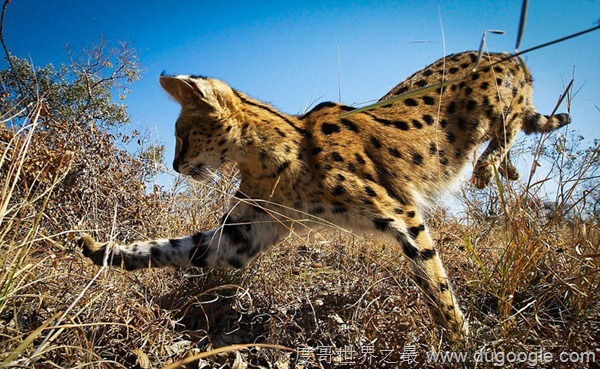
[525, 270]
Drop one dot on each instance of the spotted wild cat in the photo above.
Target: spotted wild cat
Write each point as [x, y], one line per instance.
[373, 171]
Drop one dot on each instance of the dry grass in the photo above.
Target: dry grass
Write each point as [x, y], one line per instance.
[526, 273]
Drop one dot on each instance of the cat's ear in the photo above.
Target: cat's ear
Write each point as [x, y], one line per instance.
[182, 89]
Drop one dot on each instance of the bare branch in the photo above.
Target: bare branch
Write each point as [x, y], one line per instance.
[12, 67]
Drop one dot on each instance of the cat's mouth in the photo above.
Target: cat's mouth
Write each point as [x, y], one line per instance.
[199, 172]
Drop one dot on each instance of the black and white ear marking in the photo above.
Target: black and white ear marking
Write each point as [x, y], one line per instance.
[181, 89]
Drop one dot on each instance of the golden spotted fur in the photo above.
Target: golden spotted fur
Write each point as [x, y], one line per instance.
[372, 170]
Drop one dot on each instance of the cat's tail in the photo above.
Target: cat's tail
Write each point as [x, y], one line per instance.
[538, 123]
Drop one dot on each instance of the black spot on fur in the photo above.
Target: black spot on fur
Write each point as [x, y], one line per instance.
[338, 190]
[428, 100]
[411, 102]
[421, 83]
[336, 157]
[283, 166]
[329, 128]
[427, 73]
[432, 148]
[485, 85]
[316, 151]
[417, 124]
[235, 262]
[428, 119]
[453, 70]
[401, 90]
[279, 132]
[498, 69]
[198, 254]
[338, 209]
[471, 104]
[397, 124]
[410, 214]
[451, 108]
[393, 151]
[398, 211]
[359, 159]
[370, 191]
[450, 137]
[444, 123]
[156, 253]
[350, 125]
[443, 288]
[326, 104]
[409, 249]
[417, 158]
[375, 142]
[382, 223]
[317, 210]
[428, 254]
[475, 77]
[233, 230]
[401, 125]
[413, 232]
[419, 280]
[197, 238]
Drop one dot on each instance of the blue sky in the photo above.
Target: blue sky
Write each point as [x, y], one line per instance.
[285, 53]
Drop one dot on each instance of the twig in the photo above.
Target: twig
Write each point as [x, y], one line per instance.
[12, 66]
[42, 345]
[562, 97]
[219, 350]
[522, 23]
[338, 75]
[548, 44]
[482, 45]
